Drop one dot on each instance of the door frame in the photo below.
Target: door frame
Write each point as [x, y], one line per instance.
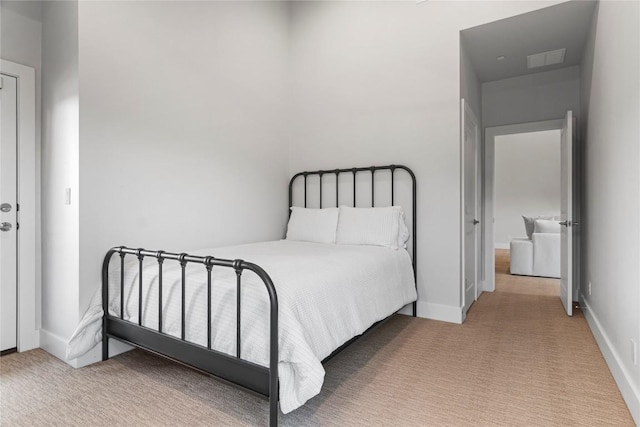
[488, 190]
[28, 261]
[569, 230]
[465, 111]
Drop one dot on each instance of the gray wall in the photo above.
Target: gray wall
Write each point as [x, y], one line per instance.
[527, 181]
[182, 130]
[194, 114]
[531, 98]
[470, 87]
[611, 230]
[60, 121]
[21, 41]
[379, 82]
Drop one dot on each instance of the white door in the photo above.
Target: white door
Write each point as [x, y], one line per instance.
[566, 213]
[470, 146]
[8, 212]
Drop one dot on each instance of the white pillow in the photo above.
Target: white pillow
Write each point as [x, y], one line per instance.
[313, 225]
[529, 220]
[372, 226]
[546, 226]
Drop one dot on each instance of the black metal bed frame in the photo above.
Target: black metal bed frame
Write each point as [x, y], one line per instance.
[233, 369]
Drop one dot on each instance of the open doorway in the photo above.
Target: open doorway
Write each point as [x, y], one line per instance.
[18, 205]
[527, 230]
[540, 198]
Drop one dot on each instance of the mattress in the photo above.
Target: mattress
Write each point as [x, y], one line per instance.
[327, 294]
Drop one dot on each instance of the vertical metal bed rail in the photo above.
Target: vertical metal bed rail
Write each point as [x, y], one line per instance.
[183, 286]
[320, 176]
[160, 262]
[354, 171]
[373, 186]
[140, 266]
[372, 169]
[305, 190]
[236, 267]
[209, 266]
[337, 172]
[122, 255]
[209, 262]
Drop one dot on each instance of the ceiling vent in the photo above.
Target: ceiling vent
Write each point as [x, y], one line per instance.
[546, 58]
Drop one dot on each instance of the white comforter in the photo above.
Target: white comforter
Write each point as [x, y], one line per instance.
[327, 294]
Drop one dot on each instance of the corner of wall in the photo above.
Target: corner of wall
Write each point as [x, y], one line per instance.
[55, 345]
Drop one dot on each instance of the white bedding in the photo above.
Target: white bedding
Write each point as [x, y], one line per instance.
[327, 294]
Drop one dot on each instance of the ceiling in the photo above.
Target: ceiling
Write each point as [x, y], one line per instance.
[561, 26]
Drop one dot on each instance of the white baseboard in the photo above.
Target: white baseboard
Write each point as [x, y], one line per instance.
[621, 375]
[55, 345]
[445, 313]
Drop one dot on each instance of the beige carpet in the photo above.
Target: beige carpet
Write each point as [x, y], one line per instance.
[517, 361]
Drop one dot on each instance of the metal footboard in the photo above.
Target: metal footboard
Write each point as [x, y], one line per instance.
[233, 369]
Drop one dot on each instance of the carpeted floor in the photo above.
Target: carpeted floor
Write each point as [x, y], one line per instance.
[516, 361]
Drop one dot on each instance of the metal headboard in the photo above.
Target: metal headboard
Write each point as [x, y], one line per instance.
[372, 170]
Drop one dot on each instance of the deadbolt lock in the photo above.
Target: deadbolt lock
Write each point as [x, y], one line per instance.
[5, 207]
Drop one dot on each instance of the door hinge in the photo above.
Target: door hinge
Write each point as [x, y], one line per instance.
[17, 207]
[17, 226]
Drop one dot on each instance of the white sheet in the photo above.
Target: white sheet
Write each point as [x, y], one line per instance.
[327, 294]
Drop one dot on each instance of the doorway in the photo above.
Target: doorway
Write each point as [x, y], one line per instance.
[527, 174]
[20, 264]
[543, 254]
[8, 214]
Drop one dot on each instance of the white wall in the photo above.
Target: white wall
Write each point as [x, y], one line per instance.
[202, 88]
[531, 98]
[470, 87]
[378, 83]
[527, 181]
[60, 121]
[182, 127]
[21, 42]
[611, 231]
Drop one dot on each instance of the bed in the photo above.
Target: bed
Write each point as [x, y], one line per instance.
[266, 325]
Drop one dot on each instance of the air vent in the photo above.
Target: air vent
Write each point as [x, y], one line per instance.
[546, 58]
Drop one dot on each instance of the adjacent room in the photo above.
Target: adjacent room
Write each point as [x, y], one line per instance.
[527, 209]
[319, 213]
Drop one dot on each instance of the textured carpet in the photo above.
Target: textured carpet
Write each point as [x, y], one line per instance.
[517, 361]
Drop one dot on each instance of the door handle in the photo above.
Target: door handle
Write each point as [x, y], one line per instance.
[5, 226]
[566, 223]
[476, 222]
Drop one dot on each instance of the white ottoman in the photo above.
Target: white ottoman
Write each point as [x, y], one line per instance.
[521, 254]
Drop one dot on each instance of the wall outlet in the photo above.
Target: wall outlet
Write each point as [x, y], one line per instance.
[634, 352]
[589, 288]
